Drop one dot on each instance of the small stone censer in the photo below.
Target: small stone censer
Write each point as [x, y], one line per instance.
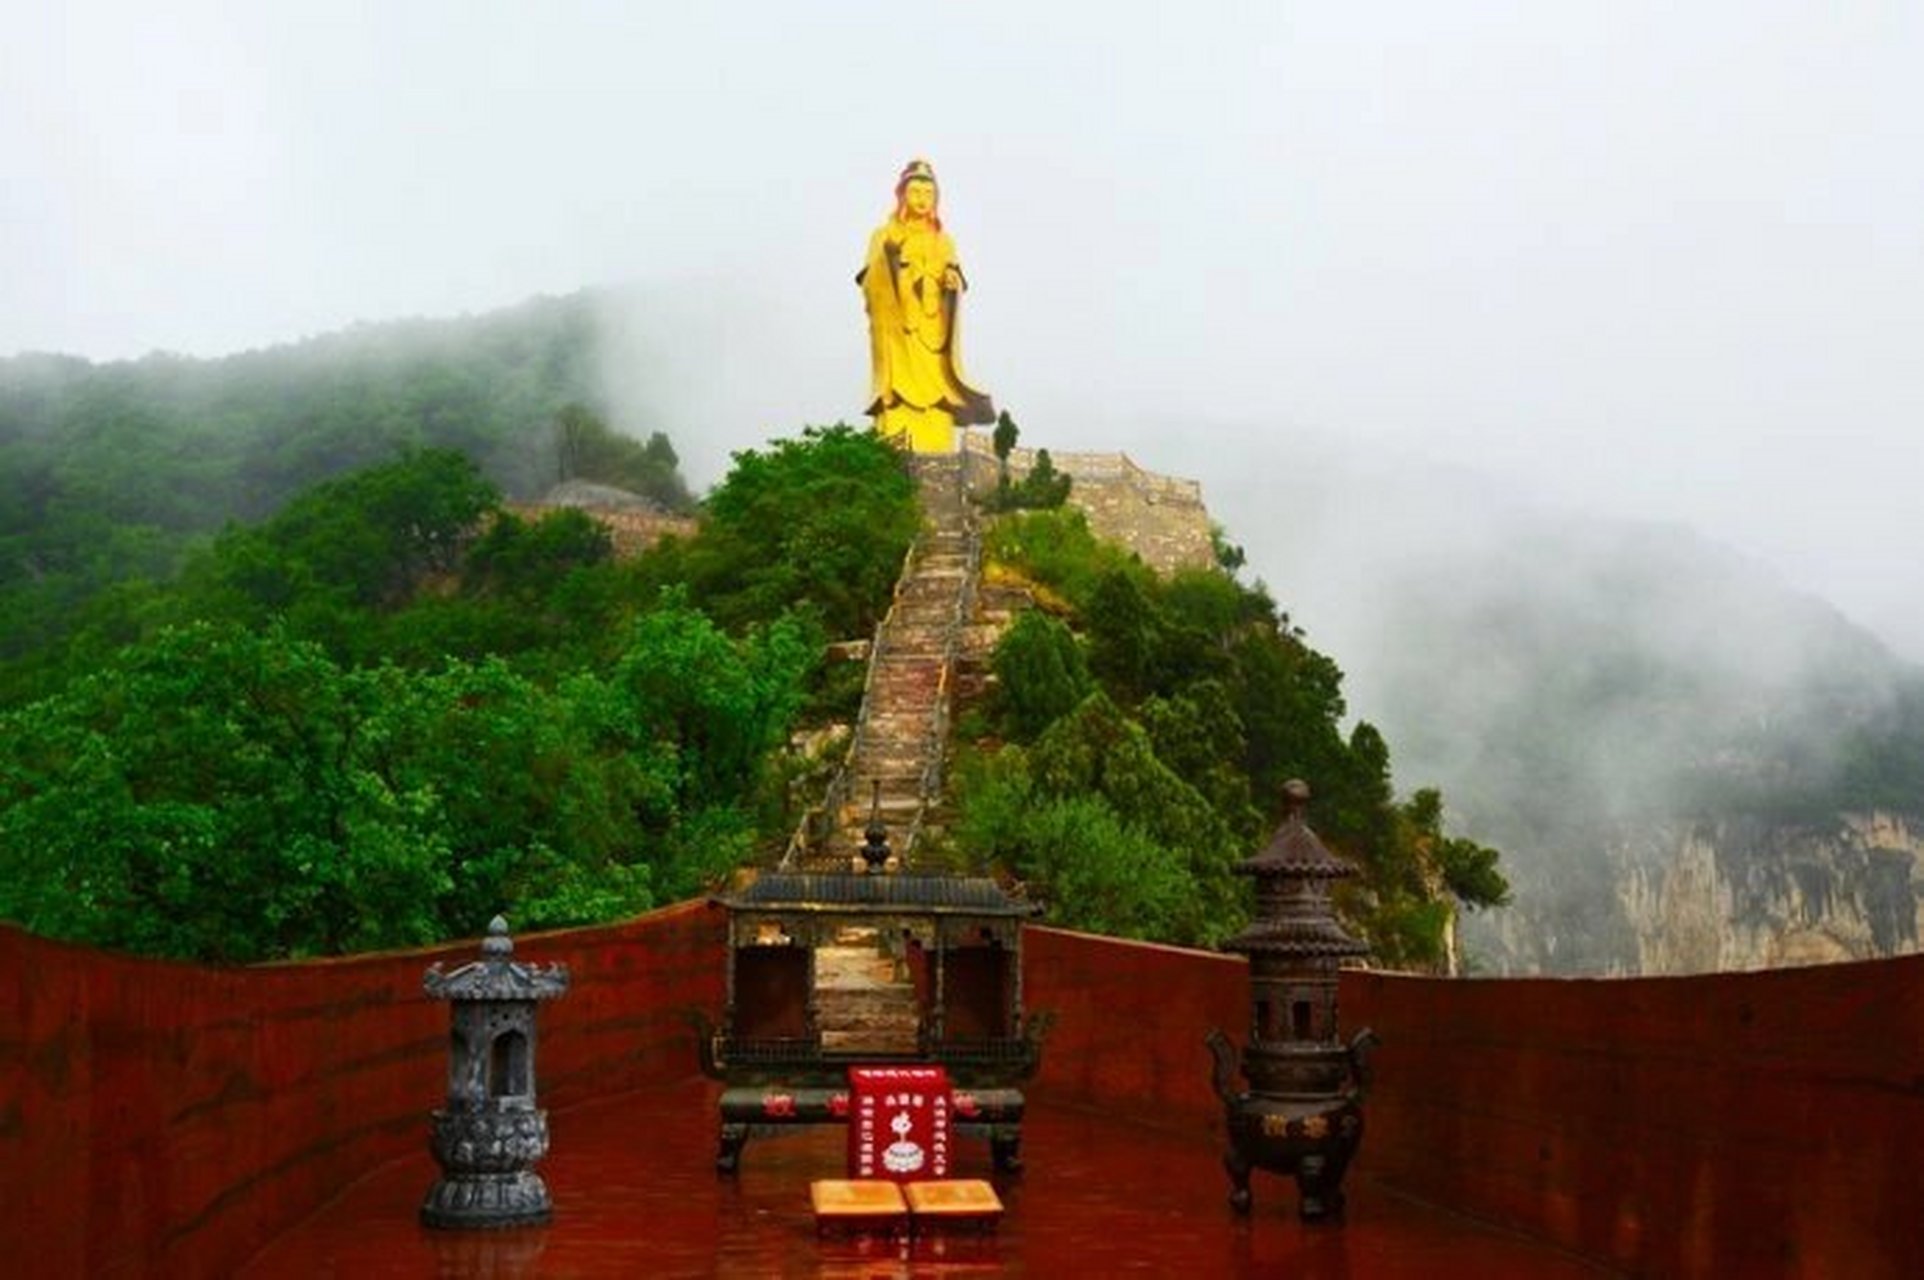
[489, 1136]
[1302, 1113]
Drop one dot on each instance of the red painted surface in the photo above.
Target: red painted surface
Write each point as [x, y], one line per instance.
[635, 1195]
[1130, 1022]
[1733, 1124]
[1752, 1124]
[166, 1119]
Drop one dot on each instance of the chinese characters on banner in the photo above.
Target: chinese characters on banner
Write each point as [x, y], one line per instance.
[898, 1123]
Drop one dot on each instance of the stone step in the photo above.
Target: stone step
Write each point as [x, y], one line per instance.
[864, 998]
[893, 806]
[907, 751]
[911, 666]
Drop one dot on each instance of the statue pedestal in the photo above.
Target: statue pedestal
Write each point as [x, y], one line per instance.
[918, 430]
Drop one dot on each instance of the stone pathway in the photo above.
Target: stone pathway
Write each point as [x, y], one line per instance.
[864, 999]
[904, 727]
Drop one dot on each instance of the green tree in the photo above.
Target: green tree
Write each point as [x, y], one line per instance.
[821, 522]
[200, 797]
[1076, 854]
[1125, 635]
[1040, 672]
[526, 558]
[1468, 869]
[702, 712]
[1099, 750]
[364, 539]
[1209, 687]
[1199, 735]
[114, 470]
[1006, 434]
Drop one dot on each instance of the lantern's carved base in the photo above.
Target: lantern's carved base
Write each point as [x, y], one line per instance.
[1311, 1140]
[486, 1178]
[488, 1201]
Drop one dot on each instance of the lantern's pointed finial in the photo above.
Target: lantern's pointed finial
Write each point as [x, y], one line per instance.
[497, 943]
[1296, 799]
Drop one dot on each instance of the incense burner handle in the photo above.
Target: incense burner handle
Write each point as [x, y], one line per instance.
[1361, 1050]
[1223, 1076]
[706, 1041]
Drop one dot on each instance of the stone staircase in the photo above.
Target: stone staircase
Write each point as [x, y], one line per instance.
[864, 999]
[896, 758]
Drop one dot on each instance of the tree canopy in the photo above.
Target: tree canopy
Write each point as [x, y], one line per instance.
[393, 709]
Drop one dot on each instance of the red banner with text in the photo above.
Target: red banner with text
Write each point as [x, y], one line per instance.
[898, 1123]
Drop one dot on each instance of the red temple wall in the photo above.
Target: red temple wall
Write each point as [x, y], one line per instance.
[161, 1118]
[1730, 1124]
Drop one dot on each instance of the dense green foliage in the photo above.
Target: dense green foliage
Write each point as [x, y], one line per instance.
[1146, 749]
[1041, 672]
[112, 472]
[230, 794]
[281, 675]
[821, 521]
[393, 709]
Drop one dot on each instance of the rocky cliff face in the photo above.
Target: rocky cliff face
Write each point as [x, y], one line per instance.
[1686, 763]
[1747, 896]
[1737, 894]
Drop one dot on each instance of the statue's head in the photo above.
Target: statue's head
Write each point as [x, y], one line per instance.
[916, 195]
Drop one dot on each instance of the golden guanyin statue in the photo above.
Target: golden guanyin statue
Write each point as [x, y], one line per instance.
[913, 287]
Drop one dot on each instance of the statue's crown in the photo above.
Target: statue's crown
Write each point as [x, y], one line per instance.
[917, 168]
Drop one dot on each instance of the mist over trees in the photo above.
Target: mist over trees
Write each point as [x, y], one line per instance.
[258, 718]
[1140, 733]
[586, 448]
[112, 472]
[1583, 687]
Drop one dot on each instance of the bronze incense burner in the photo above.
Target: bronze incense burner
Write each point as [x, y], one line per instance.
[1302, 1114]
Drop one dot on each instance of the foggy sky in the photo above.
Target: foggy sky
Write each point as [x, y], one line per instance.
[1647, 259]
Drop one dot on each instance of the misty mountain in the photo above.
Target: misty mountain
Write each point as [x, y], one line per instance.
[108, 471]
[1589, 692]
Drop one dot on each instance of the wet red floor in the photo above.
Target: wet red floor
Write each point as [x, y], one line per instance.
[635, 1195]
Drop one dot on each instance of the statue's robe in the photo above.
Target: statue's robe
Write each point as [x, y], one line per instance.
[915, 332]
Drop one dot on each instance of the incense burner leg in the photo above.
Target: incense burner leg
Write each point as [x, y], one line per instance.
[1320, 1180]
[1005, 1148]
[1237, 1166]
[728, 1155]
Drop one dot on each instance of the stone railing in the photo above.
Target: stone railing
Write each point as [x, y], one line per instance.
[937, 737]
[818, 823]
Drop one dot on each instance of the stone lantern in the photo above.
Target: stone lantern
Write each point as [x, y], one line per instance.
[489, 1136]
[1302, 1113]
